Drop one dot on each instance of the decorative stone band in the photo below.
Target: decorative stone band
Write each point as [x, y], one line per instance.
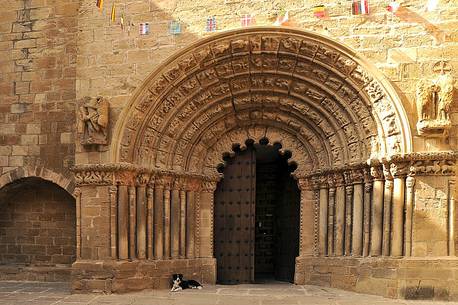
[129, 174]
[413, 164]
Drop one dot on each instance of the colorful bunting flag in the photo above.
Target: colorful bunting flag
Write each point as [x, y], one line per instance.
[282, 19]
[99, 4]
[393, 7]
[113, 13]
[211, 24]
[143, 28]
[174, 27]
[319, 11]
[248, 20]
[360, 7]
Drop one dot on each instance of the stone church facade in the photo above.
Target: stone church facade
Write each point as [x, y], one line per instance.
[126, 158]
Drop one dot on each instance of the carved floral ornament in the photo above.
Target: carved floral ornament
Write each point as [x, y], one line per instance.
[312, 95]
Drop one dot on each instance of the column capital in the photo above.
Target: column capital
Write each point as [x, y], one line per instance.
[323, 180]
[339, 179]
[142, 179]
[376, 172]
[209, 186]
[387, 172]
[76, 192]
[399, 169]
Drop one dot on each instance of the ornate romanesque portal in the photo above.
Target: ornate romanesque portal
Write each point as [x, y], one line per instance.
[341, 120]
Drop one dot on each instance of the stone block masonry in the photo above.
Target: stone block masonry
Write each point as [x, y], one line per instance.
[38, 84]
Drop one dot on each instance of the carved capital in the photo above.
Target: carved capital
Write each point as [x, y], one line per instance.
[399, 170]
[209, 186]
[358, 176]
[142, 179]
[113, 190]
[323, 180]
[304, 184]
[125, 177]
[339, 179]
[387, 172]
[76, 192]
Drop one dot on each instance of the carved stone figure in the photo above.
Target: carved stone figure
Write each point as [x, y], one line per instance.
[434, 98]
[94, 118]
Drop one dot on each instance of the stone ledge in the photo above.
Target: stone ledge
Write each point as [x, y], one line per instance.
[18, 272]
[110, 276]
[434, 278]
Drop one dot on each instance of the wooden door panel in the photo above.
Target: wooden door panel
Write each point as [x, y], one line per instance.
[234, 220]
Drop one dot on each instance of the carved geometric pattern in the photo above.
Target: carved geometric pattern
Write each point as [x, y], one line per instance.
[305, 91]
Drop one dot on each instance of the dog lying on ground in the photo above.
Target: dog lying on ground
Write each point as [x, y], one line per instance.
[178, 283]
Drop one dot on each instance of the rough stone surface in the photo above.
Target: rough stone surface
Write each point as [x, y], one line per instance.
[15, 293]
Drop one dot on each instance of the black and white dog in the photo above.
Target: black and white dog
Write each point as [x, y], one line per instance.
[178, 283]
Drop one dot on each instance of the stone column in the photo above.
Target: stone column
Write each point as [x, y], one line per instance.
[306, 247]
[451, 217]
[132, 222]
[158, 217]
[123, 222]
[150, 219]
[348, 212]
[113, 190]
[387, 197]
[377, 211]
[206, 218]
[358, 210]
[331, 209]
[367, 212]
[340, 215]
[183, 218]
[141, 219]
[323, 222]
[175, 218]
[77, 194]
[410, 183]
[316, 215]
[399, 173]
[193, 186]
[167, 210]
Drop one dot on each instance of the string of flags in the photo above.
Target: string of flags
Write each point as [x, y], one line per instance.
[282, 18]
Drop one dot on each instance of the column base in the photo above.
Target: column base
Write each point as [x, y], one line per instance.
[420, 278]
[111, 276]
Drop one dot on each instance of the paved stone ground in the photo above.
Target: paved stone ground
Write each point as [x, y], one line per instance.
[25, 293]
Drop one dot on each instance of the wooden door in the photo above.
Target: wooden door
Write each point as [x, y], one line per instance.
[234, 216]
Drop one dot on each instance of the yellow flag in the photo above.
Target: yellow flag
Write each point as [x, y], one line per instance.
[99, 4]
[113, 13]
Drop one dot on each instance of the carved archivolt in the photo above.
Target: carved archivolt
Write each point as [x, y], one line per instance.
[314, 96]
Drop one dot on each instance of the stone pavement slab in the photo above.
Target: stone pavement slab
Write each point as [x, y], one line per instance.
[25, 293]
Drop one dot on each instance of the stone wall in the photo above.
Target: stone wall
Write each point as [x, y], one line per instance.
[124, 276]
[37, 84]
[37, 231]
[408, 278]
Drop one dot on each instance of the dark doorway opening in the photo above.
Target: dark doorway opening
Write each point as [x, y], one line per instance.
[257, 215]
